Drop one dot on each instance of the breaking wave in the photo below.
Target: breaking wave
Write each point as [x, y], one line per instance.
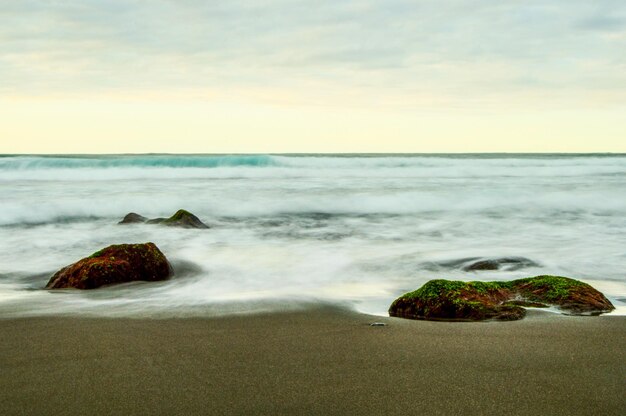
[124, 167]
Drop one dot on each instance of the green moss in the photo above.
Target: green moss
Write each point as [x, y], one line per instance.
[97, 253]
[548, 288]
[458, 300]
[540, 288]
[452, 288]
[486, 287]
[434, 288]
[178, 215]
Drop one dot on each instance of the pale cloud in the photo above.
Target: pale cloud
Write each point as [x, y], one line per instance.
[458, 47]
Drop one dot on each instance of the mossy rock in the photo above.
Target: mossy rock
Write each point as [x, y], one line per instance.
[133, 218]
[181, 218]
[476, 301]
[119, 263]
[571, 296]
[184, 219]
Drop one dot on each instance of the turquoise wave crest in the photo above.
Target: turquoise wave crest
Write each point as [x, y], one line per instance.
[143, 161]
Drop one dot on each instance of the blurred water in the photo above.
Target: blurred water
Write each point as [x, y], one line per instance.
[353, 229]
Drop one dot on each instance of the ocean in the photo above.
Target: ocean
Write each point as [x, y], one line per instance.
[288, 230]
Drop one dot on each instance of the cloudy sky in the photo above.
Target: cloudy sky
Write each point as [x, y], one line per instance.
[312, 76]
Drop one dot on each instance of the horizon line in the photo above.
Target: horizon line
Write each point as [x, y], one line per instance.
[318, 154]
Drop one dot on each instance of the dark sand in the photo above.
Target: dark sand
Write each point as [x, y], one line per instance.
[322, 361]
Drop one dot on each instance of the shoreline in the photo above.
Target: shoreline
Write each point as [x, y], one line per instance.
[320, 360]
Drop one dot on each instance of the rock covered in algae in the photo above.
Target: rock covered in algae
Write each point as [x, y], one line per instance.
[182, 218]
[114, 264]
[133, 218]
[476, 301]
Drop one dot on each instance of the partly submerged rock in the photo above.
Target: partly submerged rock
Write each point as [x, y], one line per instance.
[181, 218]
[475, 301]
[482, 263]
[506, 263]
[456, 300]
[571, 296]
[133, 218]
[114, 264]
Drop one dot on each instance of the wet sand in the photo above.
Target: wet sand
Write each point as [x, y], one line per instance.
[322, 361]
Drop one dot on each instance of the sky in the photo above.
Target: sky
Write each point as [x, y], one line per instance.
[241, 76]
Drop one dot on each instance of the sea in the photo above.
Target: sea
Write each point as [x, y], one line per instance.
[286, 231]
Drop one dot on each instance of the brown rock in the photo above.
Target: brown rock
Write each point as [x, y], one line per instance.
[133, 218]
[475, 301]
[114, 264]
[182, 218]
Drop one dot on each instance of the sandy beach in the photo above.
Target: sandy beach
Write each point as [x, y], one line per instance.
[323, 360]
[312, 208]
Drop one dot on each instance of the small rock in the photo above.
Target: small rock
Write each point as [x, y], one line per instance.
[133, 218]
[184, 219]
[378, 324]
[505, 263]
[482, 263]
[181, 218]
